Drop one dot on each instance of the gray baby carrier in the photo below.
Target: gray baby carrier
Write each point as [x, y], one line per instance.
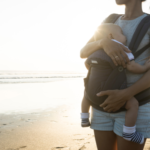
[104, 75]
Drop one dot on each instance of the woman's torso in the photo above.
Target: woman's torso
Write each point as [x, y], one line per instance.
[128, 27]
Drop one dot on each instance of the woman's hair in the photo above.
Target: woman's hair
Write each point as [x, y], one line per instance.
[143, 0]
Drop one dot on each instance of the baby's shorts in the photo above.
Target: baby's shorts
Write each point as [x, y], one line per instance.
[104, 121]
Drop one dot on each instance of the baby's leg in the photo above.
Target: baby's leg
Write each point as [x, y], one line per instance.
[132, 107]
[85, 105]
[85, 113]
[129, 130]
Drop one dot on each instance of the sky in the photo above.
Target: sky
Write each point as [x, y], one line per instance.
[47, 35]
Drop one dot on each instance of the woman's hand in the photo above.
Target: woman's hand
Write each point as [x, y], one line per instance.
[116, 51]
[115, 100]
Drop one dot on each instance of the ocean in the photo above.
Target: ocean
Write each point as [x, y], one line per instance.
[28, 91]
[36, 76]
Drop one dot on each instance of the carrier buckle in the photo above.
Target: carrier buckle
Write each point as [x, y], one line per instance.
[120, 68]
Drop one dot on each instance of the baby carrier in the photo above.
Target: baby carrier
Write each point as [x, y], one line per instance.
[104, 75]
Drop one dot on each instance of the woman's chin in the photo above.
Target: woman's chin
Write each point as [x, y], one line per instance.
[121, 2]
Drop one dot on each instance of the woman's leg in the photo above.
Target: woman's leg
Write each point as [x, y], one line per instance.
[108, 140]
[103, 124]
[105, 140]
[142, 126]
[123, 144]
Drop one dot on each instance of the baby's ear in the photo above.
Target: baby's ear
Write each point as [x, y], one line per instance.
[110, 36]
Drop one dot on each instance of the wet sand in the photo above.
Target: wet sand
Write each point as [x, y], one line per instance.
[47, 130]
[43, 116]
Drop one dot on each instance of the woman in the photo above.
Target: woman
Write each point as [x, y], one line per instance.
[108, 126]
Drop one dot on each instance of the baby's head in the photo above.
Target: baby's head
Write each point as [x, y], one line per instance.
[111, 31]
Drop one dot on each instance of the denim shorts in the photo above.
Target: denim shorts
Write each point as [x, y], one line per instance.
[104, 121]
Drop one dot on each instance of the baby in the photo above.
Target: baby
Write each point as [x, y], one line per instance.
[114, 32]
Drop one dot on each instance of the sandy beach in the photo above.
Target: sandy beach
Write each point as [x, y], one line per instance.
[57, 127]
[47, 130]
[50, 122]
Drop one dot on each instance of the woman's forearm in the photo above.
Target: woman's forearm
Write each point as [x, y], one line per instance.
[89, 48]
[139, 86]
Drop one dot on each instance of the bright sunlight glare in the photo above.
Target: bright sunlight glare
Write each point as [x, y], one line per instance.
[48, 35]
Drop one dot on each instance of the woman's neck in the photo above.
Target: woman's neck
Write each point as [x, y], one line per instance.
[133, 10]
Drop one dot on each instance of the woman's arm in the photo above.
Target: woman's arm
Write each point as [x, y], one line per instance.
[117, 98]
[114, 50]
[90, 47]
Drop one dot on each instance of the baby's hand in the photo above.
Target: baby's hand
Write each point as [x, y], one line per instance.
[147, 64]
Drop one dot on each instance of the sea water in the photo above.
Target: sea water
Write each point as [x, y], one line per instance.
[34, 91]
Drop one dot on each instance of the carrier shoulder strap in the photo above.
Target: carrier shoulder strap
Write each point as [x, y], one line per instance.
[139, 33]
[139, 52]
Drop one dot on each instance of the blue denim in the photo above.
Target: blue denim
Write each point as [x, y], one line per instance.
[104, 121]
